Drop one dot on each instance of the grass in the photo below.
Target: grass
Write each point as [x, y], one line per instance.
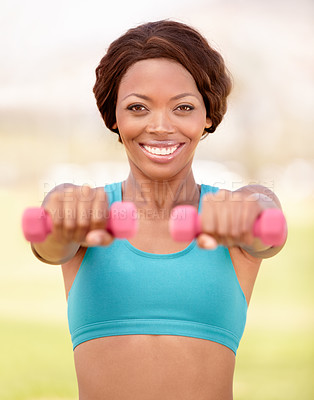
[36, 361]
[276, 356]
[275, 359]
[275, 365]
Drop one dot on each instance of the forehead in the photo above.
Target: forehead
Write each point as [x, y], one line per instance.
[157, 74]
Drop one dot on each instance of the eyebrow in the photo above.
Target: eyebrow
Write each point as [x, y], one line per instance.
[144, 97]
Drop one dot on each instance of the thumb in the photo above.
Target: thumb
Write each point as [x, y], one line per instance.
[98, 237]
[206, 242]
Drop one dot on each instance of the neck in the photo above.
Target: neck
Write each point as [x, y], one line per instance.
[163, 194]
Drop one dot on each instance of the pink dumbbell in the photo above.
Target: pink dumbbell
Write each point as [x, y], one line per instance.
[122, 222]
[270, 226]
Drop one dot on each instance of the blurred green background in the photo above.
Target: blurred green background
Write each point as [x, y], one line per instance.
[51, 132]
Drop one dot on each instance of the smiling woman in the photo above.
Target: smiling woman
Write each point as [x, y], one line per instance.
[159, 124]
[151, 317]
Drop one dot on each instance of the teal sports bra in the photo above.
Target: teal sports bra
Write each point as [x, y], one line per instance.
[120, 290]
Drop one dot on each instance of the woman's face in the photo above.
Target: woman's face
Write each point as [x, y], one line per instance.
[161, 117]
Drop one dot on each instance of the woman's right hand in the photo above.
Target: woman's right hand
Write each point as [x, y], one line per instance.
[79, 215]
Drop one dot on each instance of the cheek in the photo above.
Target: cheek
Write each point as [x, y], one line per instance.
[124, 125]
[128, 130]
[195, 126]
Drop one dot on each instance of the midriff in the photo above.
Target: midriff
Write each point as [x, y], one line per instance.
[154, 367]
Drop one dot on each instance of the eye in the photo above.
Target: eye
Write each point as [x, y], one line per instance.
[184, 107]
[136, 107]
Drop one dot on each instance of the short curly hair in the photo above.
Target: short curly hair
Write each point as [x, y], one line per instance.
[164, 39]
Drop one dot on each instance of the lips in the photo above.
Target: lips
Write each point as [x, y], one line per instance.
[161, 151]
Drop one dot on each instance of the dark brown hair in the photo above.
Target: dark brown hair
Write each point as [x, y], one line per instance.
[164, 39]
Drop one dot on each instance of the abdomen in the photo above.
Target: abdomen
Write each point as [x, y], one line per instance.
[152, 367]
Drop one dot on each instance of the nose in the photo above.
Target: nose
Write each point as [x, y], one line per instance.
[160, 122]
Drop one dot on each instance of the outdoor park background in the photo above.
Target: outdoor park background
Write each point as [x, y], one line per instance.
[51, 132]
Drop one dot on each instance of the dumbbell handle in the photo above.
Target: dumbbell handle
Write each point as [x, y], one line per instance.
[270, 226]
[122, 222]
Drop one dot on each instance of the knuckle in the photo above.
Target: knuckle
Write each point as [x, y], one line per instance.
[68, 194]
[208, 200]
[53, 197]
[222, 195]
[57, 222]
[244, 230]
[83, 212]
[99, 213]
[208, 196]
[234, 231]
[237, 196]
[52, 200]
[69, 225]
[96, 215]
[101, 197]
[83, 224]
[59, 193]
[86, 193]
[100, 191]
[221, 231]
[69, 214]
[206, 223]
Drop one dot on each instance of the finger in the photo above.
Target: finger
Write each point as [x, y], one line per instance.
[83, 220]
[248, 216]
[55, 208]
[100, 210]
[221, 212]
[208, 221]
[98, 237]
[223, 220]
[236, 206]
[69, 213]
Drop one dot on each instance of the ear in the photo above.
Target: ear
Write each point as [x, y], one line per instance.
[115, 126]
[208, 123]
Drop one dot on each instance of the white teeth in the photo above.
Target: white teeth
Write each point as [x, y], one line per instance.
[164, 151]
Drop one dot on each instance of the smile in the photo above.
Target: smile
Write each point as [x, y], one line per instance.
[161, 151]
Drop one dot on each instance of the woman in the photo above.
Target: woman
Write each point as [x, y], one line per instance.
[151, 318]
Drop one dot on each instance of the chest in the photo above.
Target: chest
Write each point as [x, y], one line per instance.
[193, 285]
[153, 236]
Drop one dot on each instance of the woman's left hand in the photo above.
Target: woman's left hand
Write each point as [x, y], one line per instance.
[227, 218]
